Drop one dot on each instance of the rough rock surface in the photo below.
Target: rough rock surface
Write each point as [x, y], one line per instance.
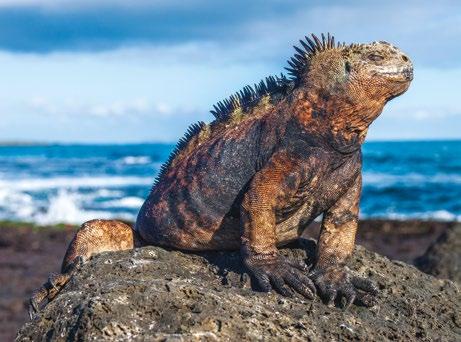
[154, 294]
[443, 257]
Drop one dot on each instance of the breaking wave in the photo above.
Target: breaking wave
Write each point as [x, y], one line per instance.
[32, 184]
[136, 160]
[385, 180]
[74, 183]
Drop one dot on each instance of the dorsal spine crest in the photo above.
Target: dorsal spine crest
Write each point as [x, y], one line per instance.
[239, 104]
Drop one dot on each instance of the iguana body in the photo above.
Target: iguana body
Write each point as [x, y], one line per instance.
[276, 157]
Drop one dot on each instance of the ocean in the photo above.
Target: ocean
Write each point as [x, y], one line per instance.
[74, 183]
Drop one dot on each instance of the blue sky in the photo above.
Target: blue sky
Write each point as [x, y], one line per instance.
[131, 71]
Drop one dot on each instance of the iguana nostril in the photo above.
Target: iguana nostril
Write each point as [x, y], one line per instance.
[405, 58]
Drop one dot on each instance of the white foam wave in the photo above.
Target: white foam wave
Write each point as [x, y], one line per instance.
[384, 179]
[438, 215]
[34, 184]
[65, 207]
[17, 204]
[106, 193]
[125, 202]
[136, 160]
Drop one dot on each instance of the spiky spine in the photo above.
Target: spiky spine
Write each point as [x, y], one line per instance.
[191, 132]
[250, 96]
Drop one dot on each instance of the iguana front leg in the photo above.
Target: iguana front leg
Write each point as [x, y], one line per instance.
[269, 190]
[335, 245]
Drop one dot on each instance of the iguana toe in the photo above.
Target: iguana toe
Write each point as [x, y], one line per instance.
[52, 281]
[49, 290]
[335, 285]
[37, 297]
[365, 284]
[282, 275]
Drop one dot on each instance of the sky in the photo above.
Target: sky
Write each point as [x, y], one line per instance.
[142, 71]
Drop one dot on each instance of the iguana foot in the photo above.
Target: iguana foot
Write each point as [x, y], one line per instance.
[52, 287]
[281, 274]
[336, 284]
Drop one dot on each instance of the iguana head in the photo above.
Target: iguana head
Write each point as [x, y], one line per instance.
[351, 83]
[378, 71]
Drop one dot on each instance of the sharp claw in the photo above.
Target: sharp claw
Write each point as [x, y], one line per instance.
[312, 287]
[52, 283]
[33, 308]
[284, 291]
[307, 292]
[35, 300]
[301, 284]
[47, 292]
[349, 302]
[313, 273]
[307, 282]
[348, 298]
[263, 282]
[320, 284]
[365, 285]
[365, 299]
[330, 297]
[343, 287]
[280, 286]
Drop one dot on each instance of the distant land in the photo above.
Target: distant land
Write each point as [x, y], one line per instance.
[77, 143]
[26, 143]
[20, 143]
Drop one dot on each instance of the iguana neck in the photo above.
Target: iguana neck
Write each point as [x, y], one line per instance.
[346, 119]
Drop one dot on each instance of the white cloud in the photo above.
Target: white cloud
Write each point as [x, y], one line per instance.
[426, 113]
[42, 105]
[153, 92]
[435, 113]
[428, 32]
[70, 107]
[120, 108]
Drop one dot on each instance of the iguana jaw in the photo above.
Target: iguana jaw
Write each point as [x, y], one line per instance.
[400, 75]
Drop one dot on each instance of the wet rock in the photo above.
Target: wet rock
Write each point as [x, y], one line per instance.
[159, 295]
[443, 258]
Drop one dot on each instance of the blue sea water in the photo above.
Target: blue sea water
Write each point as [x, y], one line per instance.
[74, 183]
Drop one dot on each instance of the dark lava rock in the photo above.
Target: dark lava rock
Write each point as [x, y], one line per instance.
[443, 257]
[158, 295]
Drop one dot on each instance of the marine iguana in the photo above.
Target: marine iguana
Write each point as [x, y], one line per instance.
[277, 156]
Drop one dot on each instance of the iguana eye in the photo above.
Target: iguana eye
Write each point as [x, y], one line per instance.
[347, 66]
[375, 57]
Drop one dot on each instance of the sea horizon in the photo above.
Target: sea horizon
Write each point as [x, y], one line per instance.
[9, 143]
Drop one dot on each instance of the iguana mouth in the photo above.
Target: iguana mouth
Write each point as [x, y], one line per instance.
[407, 74]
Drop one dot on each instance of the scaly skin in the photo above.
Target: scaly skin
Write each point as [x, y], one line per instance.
[271, 162]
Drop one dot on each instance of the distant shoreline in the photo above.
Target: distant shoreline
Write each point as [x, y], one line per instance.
[23, 143]
[60, 143]
[42, 144]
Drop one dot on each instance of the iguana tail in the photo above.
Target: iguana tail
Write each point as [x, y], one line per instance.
[93, 237]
